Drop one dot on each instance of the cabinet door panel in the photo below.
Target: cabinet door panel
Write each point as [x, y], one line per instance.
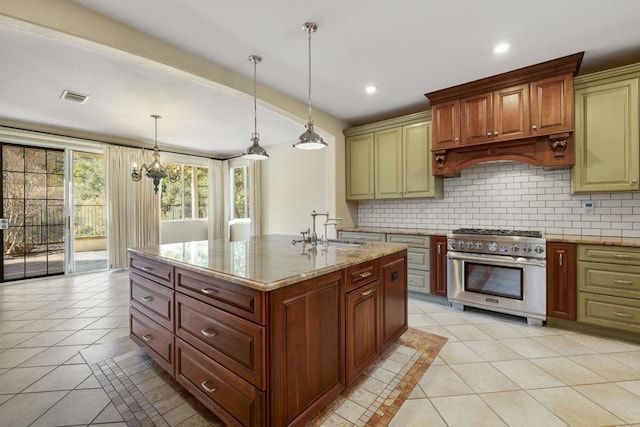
[393, 270]
[439, 266]
[561, 280]
[446, 125]
[476, 118]
[360, 167]
[388, 164]
[363, 329]
[551, 112]
[511, 112]
[417, 177]
[607, 122]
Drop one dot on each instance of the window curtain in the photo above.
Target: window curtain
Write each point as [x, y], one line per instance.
[133, 208]
[254, 168]
[219, 197]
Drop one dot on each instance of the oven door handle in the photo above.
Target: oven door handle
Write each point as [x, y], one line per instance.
[495, 260]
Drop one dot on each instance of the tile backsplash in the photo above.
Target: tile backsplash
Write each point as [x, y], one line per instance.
[510, 195]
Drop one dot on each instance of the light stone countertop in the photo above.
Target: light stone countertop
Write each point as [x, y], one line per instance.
[390, 230]
[265, 262]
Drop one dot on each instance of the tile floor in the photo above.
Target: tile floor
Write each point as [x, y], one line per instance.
[495, 370]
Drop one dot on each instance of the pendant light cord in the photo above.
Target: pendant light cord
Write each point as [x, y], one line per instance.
[309, 28]
[255, 108]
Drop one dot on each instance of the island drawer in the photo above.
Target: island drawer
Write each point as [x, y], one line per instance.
[410, 239]
[361, 274]
[612, 254]
[240, 300]
[609, 279]
[151, 269]
[614, 312]
[154, 338]
[231, 398]
[152, 299]
[236, 343]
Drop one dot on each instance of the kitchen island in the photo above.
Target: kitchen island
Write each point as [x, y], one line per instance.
[264, 332]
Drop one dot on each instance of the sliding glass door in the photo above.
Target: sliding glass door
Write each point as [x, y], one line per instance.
[32, 211]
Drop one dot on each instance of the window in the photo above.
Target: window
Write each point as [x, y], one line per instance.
[186, 198]
[239, 192]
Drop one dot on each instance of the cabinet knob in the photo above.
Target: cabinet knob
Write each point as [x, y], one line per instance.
[456, 139]
[495, 133]
[489, 134]
[534, 127]
[633, 181]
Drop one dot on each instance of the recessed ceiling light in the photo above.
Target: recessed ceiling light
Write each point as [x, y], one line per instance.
[501, 48]
[371, 89]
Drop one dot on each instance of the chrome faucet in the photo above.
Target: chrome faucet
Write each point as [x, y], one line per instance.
[311, 236]
[314, 235]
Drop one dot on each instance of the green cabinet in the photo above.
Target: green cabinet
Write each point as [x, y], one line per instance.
[391, 159]
[607, 126]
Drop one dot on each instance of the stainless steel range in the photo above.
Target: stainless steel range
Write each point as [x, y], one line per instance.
[499, 270]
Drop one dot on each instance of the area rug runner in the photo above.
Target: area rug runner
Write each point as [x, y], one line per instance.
[145, 395]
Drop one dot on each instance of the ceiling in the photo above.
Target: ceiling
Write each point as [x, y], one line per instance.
[405, 48]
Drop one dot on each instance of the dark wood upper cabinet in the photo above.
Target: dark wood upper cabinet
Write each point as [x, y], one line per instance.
[476, 118]
[552, 105]
[561, 280]
[439, 265]
[511, 113]
[446, 124]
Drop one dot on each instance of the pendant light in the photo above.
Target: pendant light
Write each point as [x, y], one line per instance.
[310, 140]
[155, 171]
[255, 152]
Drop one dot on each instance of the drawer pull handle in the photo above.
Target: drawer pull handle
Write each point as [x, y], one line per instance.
[365, 274]
[208, 333]
[147, 298]
[366, 293]
[622, 256]
[147, 337]
[208, 291]
[622, 282]
[625, 315]
[147, 268]
[207, 388]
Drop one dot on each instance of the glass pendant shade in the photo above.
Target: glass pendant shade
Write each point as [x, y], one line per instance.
[255, 151]
[310, 140]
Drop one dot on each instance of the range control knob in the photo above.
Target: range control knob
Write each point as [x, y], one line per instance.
[493, 246]
[538, 249]
[469, 244]
[515, 248]
[478, 245]
[451, 244]
[460, 244]
[526, 248]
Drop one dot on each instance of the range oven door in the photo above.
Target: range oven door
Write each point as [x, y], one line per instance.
[499, 283]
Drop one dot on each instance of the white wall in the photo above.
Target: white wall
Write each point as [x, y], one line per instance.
[183, 230]
[511, 196]
[294, 183]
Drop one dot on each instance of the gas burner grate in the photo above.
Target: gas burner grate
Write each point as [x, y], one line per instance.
[490, 232]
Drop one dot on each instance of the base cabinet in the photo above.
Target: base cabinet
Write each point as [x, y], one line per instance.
[363, 329]
[394, 288]
[439, 266]
[561, 280]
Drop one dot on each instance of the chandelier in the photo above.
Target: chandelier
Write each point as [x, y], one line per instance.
[310, 139]
[155, 171]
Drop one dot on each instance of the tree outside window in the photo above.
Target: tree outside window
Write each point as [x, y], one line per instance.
[186, 198]
[239, 192]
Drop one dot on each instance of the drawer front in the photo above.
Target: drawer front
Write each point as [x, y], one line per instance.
[409, 239]
[234, 400]
[614, 254]
[242, 301]
[361, 274]
[418, 258]
[152, 299]
[157, 341]
[418, 281]
[151, 269]
[236, 343]
[614, 312]
[355, 235]
[609, 279]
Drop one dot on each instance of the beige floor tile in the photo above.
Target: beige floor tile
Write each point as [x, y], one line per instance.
[519, 409]
[75, 360]
[536, 331]
[457, 352]
[438, 330]
[5, 397]
[53, 356]
[430, 307]
[483, 378]
[17, 379]
[476, 413]
[448, 318]
[421, 319]
[467, 332]
[108, 322]
[607, 367]
[91, 382]
[66, 313]
[179, 414]
[40, 325]
[568, 371]
[13, 340]
[47, 339]
[12, 325]
[563, 345]
[417, 413]
[632, 386]
[108, 415]
[96, 311]
[114, 335]
[77, 407]
[66, 377]
[85, 336]
[615, 399]
[74, 324]
[15, 356]
[336, 421]
[528, 348]
[602, 345]
[493, 350]
[442, 381]
[34, 314]
[573, 408]
[526, 375]
[499, 330]
[417, 393]
[350, 411]
[364, 397]
[23, 409]
[631, 358]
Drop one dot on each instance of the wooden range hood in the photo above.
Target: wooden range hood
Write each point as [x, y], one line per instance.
[525, 115]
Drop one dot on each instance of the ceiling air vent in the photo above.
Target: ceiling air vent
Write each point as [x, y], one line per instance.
[68, 95]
